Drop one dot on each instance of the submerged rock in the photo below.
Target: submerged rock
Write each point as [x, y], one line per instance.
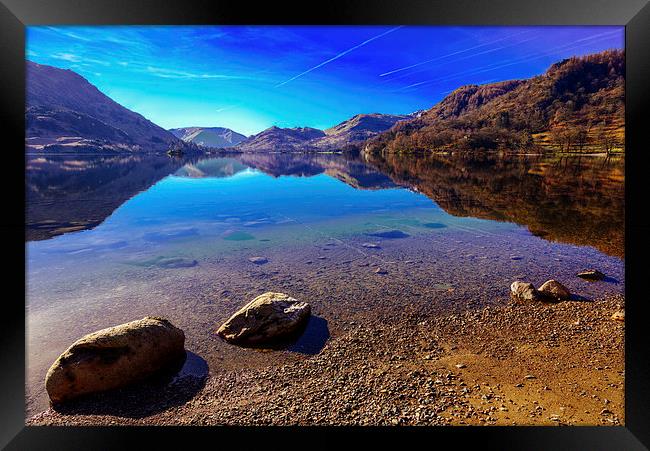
[524, 290]
[390, 234]
[266, 318]
[175, 262]
[554, 289]
[380, 271]
[619, 315]
[258, 260]
[371, 245]
[114, 357]
[591, 274]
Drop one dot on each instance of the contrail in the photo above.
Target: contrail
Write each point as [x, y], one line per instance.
[452, 54]
[490, 67]
[339, 55]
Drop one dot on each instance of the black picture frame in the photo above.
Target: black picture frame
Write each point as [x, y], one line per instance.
[15, 15]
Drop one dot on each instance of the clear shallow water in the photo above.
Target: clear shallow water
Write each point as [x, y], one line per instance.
[174, 238]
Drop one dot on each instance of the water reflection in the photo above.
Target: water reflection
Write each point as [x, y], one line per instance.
[570, 199]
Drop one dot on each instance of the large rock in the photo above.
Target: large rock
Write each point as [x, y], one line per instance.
[266, 318]
[114, 357]
[524, 290]
[555, 290]
[591, 274]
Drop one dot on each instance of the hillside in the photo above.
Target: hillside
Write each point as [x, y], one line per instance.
[356, 129]
[578, 104]
[281, 139]
[352, 131]
[215, 137]
[64, 112]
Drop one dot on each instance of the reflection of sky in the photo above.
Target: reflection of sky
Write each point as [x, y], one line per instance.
[249, 78]
[193, 209]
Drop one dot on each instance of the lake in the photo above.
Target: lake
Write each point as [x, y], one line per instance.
[115, 238]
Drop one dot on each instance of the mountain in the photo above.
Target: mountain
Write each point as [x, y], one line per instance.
[352, 131]
[356, 129]
[577, 104]
[217, 137]
[66, 113]
[281, 139]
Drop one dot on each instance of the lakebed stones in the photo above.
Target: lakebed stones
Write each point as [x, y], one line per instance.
[524, 290]
[371, 245]
[591, 274]
[258, 260]
[267, 318]
[555, 290]
[115, 357]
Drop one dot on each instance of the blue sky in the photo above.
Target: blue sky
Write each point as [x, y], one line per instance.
[249, 78]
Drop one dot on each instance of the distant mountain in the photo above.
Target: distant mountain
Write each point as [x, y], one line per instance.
[352, 131]
[64, 112]
[578, 104]
[358, 128]
[281, 139]
[216, 137]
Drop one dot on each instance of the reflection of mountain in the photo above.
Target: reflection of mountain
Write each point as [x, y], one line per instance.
[65, 194]
[355, 173]
[571, 199]
[66, 113]
[209, 136]
[213, 167]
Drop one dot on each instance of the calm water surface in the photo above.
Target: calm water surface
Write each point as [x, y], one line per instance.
[112, 239]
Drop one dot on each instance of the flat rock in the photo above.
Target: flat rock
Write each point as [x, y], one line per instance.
[266, 318]
[371, 245]
[380, 271]
[175, 262]
[114, 357]
[524, 290]
[554, 289]
[591, 274]
[390, 234]
[258, 260]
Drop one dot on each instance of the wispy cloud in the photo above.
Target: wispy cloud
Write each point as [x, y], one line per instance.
[70, 57]
[176, 74]
[334, 58]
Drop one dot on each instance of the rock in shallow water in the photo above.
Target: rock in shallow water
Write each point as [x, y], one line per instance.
[554, 289]
[524, 290]
[390, 234]
[258, 260]
[591, 274]
[266, 318]
[114, 357]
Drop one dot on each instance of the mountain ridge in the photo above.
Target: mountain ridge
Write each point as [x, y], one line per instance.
[65, 112]
[578, 103]
[214, 137]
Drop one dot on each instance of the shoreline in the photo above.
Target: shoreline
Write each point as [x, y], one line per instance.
[504, 364]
